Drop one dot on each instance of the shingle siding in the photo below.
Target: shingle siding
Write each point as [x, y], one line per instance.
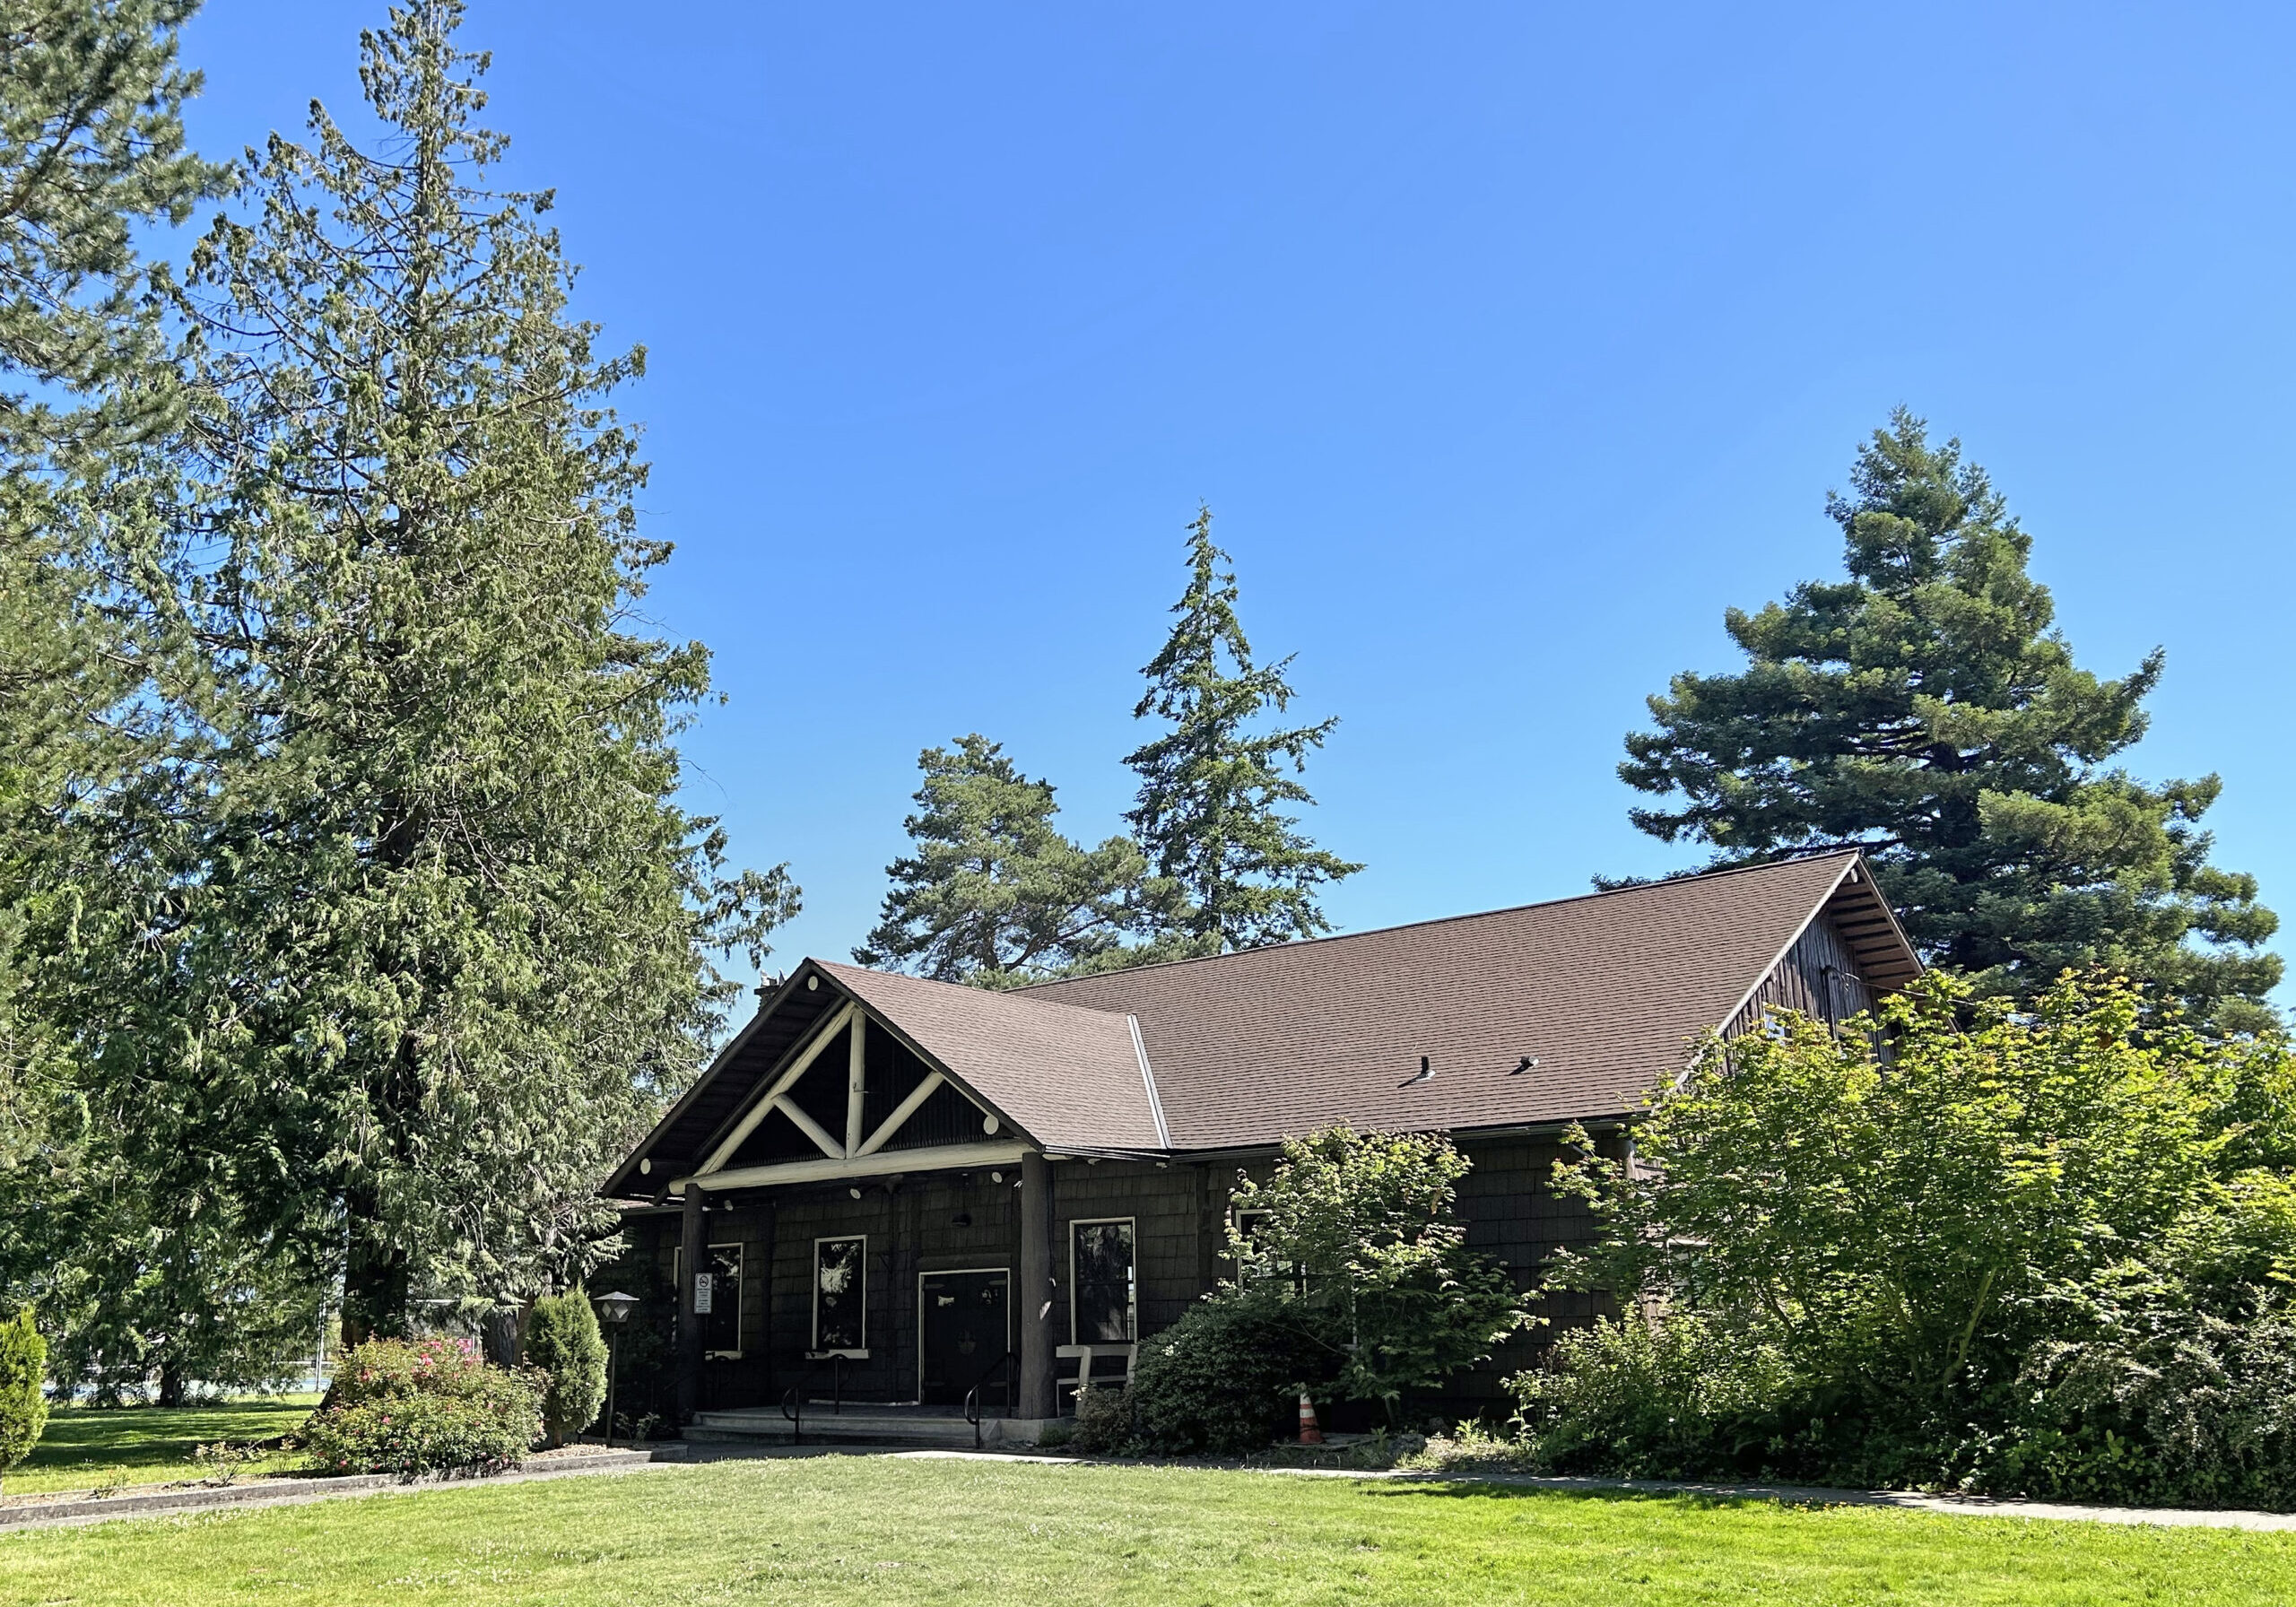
[1179, 1214]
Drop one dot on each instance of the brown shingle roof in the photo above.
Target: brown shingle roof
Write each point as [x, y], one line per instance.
[1606, 992]
[1066, 1075]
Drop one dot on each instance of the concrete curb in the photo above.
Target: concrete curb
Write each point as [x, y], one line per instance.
[43, 1513]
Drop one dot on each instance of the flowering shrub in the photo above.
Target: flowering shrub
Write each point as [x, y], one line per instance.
[414, 1406]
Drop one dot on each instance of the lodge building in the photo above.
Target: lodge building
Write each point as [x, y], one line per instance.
[896, 1194]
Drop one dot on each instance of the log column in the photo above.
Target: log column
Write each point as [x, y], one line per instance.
[1038, 1300]
[692, 1249]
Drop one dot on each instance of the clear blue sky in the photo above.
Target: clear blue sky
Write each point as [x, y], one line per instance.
[1509, 345]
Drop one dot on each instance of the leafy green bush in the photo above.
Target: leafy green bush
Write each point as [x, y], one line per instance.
[23, 1376]
[1226, 1378]
[2164, 1402]
[2042, 1253]
[1676, 1400]
[1103, 1420]
[414, 1406]
[564, 1345]
[1362, 1230]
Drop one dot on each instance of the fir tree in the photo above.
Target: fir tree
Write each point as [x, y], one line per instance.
[438, 949]
[1924, 710]
[994, 894]
[1211, 788]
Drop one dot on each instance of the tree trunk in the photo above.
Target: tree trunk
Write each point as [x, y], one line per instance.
[502, 1334]
[377, 1291]
[173, 1383]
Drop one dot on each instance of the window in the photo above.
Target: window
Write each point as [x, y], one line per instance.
[1103, 1302]
[721, 1329]
[841, 1294]
[1255, 1263]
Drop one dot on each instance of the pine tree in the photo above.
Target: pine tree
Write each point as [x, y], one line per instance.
[1212, 789]
[439, 947]
[1924, 710]
[994, 894]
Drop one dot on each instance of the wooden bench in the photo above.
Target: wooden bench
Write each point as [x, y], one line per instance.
[1115, 1363]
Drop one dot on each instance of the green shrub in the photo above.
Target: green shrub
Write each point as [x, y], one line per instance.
[1103, 1420]
[564, 1345]
[1226, 1378]
[2166, 1406]
[23, 1373]
[414, 1406]
[2039, 1252]
[1363, 1228]
[1681, 1399]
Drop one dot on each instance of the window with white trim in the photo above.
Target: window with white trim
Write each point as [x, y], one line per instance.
[721, 1330]
[841, 1294]
[1255, 1263]
[1103, 1294]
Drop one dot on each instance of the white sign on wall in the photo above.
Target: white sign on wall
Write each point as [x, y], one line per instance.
[703, 1285]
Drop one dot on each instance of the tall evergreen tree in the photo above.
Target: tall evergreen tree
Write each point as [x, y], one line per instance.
[1211, 788]
[1924, 710]
[439, 943]
[91, 148]
[994, 894]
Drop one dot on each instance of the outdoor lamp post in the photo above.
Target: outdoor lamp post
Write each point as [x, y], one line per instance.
[613, 1310]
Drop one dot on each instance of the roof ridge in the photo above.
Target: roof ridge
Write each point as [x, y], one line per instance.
[966, 988]
[1440, 920]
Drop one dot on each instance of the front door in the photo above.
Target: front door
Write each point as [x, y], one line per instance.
[963, 1328]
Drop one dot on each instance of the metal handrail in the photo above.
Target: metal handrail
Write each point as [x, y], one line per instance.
[972, 1395]
[793, 1401]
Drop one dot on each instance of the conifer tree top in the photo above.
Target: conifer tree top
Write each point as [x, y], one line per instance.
[1927, 709]
[1212, 785]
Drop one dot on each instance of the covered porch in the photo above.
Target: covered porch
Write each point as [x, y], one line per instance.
[870, 1244]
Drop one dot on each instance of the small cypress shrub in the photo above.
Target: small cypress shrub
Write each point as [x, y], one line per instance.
[564, 1345]
[23, 1404]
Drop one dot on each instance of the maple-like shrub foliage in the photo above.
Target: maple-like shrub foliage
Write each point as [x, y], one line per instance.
[2044, 1251]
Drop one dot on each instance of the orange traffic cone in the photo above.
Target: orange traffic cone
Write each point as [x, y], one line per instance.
[1310, 1434]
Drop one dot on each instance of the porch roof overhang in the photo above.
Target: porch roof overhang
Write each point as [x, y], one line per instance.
[1054, 1077]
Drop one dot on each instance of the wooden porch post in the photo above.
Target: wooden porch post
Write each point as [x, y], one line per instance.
[769, 1235]
[690, 1251]
[1038, 1297]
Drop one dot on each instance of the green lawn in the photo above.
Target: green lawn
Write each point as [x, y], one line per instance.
[836, 1530]
[145, 1445]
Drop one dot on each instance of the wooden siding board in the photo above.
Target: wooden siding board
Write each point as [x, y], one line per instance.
[1818, 976]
